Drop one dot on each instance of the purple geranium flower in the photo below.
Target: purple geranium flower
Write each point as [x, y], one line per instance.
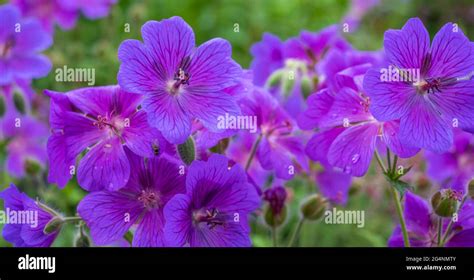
[348, 133]
[299, 56]
[454, 168]
[441, 98]
[20, 42]
[422, 225]
[180, 82]
[26, 234]
[277, 149]
[26, 138]
[92, 9]
[110, 214]
[267, 57]
[334, 184]
[214, 210]
[101, 120]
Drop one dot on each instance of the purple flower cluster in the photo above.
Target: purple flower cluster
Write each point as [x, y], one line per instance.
[179, 151]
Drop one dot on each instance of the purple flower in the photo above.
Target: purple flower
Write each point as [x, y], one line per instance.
[441, 98]
[267, 57]
[26, 138]
[276, 197]
[348, 134]
[92, 9]
[422, 225]
[28, 233]
[277, 148]
[63, 12]
[454, 168]
[311, 47]
[21, 40]
[300, 56]
[180, 82]
[110, 214]
[101, 120]
[334, 184]
[214, 211]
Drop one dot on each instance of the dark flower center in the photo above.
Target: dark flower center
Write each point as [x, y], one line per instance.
[181, 76]
[210, 216]
[432, 85]
[150, 199]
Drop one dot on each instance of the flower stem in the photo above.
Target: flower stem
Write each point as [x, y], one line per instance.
[72, 219]
[394, 168]
[440, 227]
[296, 233]
[274, 236]
[381, 164]
[253, 151]
[450, 225]
[396, 199]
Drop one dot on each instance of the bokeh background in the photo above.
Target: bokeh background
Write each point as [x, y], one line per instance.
[95, 43]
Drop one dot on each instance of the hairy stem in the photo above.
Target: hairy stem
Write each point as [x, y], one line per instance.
[253, 151]
[396, 199]
[296, 233]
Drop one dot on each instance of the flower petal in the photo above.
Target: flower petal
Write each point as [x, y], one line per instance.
[105, 166]
[166, 113]
[425, 127]
[353, 149]
[452, 54]
[169, 42]
[109, 215]
[406, 48]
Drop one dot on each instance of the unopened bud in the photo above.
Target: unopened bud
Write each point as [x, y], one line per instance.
[470, 189]
[445, 202]
[274, 79]
[187, 151]
[306, 86]
[313, 207]
[53, 225]
[19, 102]
[272, 219]
[3, 107]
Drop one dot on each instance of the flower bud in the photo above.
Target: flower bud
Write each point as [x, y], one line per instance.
[287, 84]
[221, 146]
[313, 207]
[187, 151]
[3, 106]
[19, 102]
[272, 219]
[470, 189]
[81, 239]
[306, 86]
[445, 202]
[274, 79]
[53, 225]
[32, 167]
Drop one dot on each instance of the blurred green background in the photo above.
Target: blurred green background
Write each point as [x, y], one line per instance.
[95, 43]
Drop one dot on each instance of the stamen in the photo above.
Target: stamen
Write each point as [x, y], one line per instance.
[211, 217]
[149, 199]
